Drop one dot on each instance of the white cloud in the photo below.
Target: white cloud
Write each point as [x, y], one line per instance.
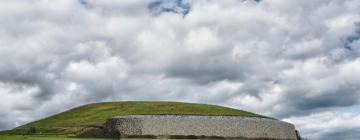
[201, 41]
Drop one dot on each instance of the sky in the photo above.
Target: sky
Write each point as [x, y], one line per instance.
[298, 61]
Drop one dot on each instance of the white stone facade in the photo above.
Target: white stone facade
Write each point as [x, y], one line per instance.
[203, 126]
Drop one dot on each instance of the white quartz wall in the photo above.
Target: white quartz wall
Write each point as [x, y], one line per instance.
[221, 126]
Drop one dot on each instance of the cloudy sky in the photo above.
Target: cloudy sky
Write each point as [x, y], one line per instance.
[298, 61]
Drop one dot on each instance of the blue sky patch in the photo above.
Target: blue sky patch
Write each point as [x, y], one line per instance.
[252, 0]
[173, 6]
[352, 38]
[83, 2]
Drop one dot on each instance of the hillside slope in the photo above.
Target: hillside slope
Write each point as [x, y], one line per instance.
[71, 121]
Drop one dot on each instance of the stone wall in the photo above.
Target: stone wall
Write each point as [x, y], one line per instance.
[202, 126]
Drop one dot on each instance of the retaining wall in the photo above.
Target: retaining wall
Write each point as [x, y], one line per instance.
[202, 126]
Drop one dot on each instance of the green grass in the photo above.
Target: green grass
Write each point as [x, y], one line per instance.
[71, 121]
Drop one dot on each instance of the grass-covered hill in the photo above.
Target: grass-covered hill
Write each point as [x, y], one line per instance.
[73, 120]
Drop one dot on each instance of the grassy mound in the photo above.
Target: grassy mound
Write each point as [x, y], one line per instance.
[71, 121]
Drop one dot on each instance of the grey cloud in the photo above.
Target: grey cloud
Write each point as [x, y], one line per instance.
[279, 58]
[348, 134]
[339, 125]
[206, 69]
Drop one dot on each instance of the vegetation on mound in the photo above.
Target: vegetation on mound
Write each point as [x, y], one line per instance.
[49, 137]
[72, 121]
[18, 137]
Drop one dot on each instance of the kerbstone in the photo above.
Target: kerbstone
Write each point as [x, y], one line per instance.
[208, 126]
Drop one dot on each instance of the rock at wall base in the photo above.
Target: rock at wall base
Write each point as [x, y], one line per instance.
[98, 132]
